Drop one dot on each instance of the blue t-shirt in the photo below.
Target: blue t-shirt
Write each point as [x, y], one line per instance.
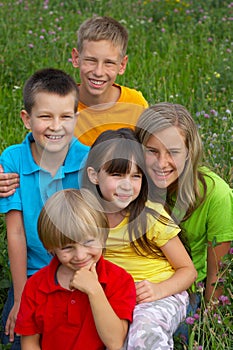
[36, 186]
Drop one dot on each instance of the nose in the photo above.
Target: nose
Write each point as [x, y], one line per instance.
[55, 124]
[98, 69]
[125, 183]
[80, 252]
[163, 160]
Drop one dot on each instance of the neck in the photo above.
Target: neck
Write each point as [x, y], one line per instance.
[108, 99]
[114, 219]
[64, 275]
[48, 161]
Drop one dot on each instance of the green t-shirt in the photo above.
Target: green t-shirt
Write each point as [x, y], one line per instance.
[212, 220]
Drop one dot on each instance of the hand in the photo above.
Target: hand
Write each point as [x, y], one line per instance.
[147, 291]
[8, 183]
[10, 323]
[85, 280]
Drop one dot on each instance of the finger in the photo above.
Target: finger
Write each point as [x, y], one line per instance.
[1, 169]
[9, 176]
[12, 333]
[93, 269]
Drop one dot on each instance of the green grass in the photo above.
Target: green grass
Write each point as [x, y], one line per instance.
[179, 51]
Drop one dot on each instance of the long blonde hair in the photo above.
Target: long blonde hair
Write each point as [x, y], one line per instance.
[184, 194]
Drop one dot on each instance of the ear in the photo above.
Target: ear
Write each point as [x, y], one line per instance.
[75, 57]
[92, 174]
[26, 119]
[123, 65]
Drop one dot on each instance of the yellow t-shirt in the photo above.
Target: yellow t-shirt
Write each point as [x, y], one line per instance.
[119, 251]
[93, 121]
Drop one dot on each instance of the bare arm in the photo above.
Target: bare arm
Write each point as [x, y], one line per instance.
[8, 183]
[30, 342]
[17, 252]
[185, 274]
[111, 329]
[214, 255]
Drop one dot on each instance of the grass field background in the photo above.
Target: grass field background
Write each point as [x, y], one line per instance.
[179, 51]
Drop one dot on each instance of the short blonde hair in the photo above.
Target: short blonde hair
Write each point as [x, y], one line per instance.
[71, 216]
[103, 28]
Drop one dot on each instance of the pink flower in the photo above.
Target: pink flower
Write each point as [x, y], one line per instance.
[190, 320]
[224, 300]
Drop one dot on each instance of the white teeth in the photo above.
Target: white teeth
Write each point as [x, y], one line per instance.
[97, 82]
[53, 137]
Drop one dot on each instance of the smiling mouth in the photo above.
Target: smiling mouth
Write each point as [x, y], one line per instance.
[124, 196]
[162, 174]
[96, 83]
[54, 137]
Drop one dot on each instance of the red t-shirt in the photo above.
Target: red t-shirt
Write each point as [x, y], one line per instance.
[63, 317]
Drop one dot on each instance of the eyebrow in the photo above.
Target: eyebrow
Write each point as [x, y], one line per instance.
[169, 149]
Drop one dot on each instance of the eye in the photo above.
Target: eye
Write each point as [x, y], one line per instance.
[110, 63]
[89, 243]
[67, 247]
[67, 117]
[174, 152]
[46, 117]
[116, 174]
[137, 176]
[151, 151]
[90, 60]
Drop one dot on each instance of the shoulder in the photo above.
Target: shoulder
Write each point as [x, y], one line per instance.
[132, 96]
[34, 282]
[115, 272]
[13, 156]
[216, 186]
[77, 154]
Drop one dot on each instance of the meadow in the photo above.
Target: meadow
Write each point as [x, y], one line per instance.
[179, 51]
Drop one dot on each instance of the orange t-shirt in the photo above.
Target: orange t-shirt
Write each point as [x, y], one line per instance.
[92, 121]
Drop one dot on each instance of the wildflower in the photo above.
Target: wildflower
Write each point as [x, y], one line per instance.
[231, 251]
[200, 287]
[163, 30]
[31, 46]
[190, 320]
[206, 115]
[212, 111]
[210, 40]
[224, 300]
[228, 111]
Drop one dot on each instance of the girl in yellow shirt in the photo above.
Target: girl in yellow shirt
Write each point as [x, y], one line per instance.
[143, 239]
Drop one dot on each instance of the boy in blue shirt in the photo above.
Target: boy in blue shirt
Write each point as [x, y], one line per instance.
[49, 159]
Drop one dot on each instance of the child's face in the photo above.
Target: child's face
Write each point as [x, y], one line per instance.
[76, 256]
[52, 122]
[99, 63]
[165, 156]
[119, 189]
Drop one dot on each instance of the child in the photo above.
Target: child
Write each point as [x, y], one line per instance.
[141, 240]
[79, 301]
[48, 160]
[103, 104]
[199, 200]
[100, 57]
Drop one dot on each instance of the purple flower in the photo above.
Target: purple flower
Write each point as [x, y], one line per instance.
[190, 320]
[231, 251]
[224, 300]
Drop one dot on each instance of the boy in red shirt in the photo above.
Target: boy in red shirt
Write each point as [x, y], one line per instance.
[78, 301]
